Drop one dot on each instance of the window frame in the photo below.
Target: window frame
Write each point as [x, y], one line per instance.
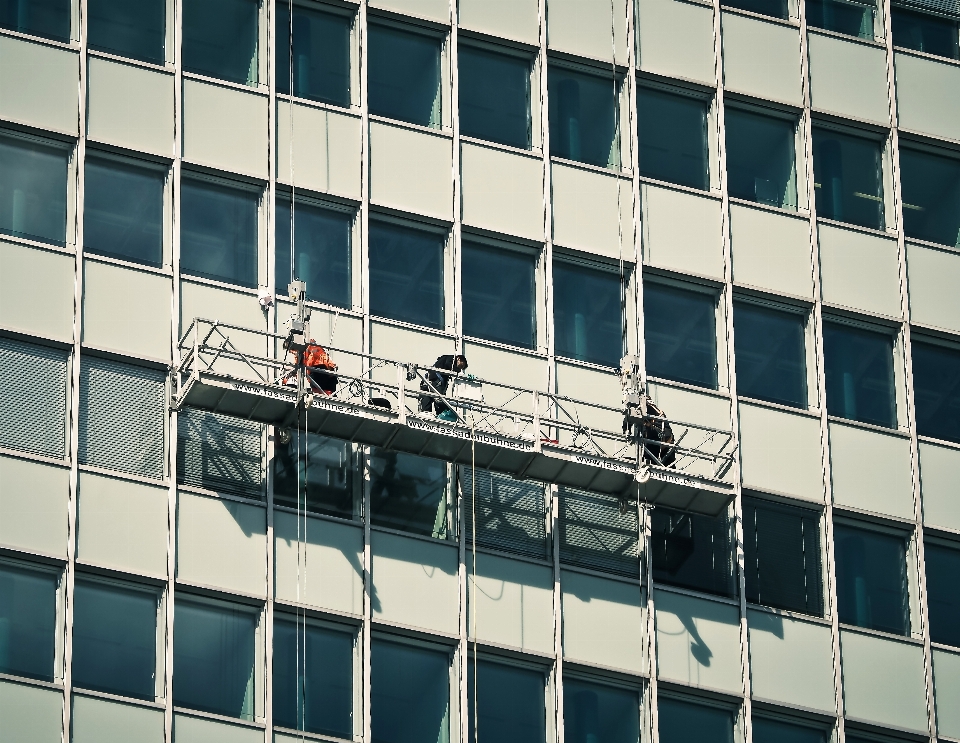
[586, 675]
[943, 541]
[924, 148]
[169, 30]
[930, 339]
[525, 663]
[263, 51]
[705, 698]
[797, 717]
[50, 567]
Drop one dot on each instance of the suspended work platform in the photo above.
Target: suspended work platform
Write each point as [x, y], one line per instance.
[524, 433]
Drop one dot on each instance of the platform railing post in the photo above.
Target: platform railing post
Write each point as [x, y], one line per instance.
[536, 421]
[402, 392]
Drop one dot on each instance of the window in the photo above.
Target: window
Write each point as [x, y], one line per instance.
[123, 211]
[693, 551]
[312, 692]
[322, 256]
[943, 600]
[777, 731]
[773, 8]
[782, 556]
[220, 39]
[28, 621]
[859, 371]
[936, 384]
[923, 32]
[494, 96]
[848, 178]
[115, 639]
[409, 693]
[596, 533]
[673, 138]
[326, 470]
[770, 354]
[843, 16]
[214, 646]
[511, 514]
[406, 274]
[404, 75]
[681, 334]
[761, 158]
[931, 197]
[321, 54]
[499, 295]
[33, 190]
[596, 713]
[409, 493]
[219, 452]
[136, 30]
[587, 314]
[122, 414]
[871, 579]
[584, 117]
[683, 722]
[218, 233]
[510, 703]
[47, 18]
[33, 398]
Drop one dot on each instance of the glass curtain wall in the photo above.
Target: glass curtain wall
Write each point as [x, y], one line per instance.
[33, 191]
[221, 39]
[409, 693]
[404, 75]
[494, 96]
[49, 19]
[761, 158]
[584, 117]
[505, 704]
[321, 54]
[681, 334]
[859, 372]
[128, 29]
[28, 618]
[587, 314]
[848, 178]
[406, 274]
[672, 130]
[499, 295]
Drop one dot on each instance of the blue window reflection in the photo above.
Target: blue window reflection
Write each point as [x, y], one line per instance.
[583, 117]
[673, 138]
[848, 178]
[408, 493]
[128, 29]
[499, 295]
[924, 32]
[761, 158]
[859, 371]
[931, 196]
[681, 334]
[871, 579]
[936, 386]
[494, 96]
[684, 722]
[694, 551]
[47, 18]
[595, 713]
[404, 75]
[770, 354]
[324, 468]
[587, 315]
[33, 191]
[406, 274]
[28, 618]
[510, 704]
[321, 54]
[943, 600]
[409, 694]
[220, 39]
[850, 17]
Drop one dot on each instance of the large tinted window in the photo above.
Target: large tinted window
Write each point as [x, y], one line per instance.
[321, 255]
[776, 731]
[28, 618]
[871, 579]
[47, 18]
[507, 704]
[587, 315]
[774, 8]
[761, 158]
[673, 138]
[409, 694]
[404, 75]
[324, 468]
[693, 551]
[943, 598]
[499, 295]
[681, 334]
[770, 354]
[683, 722]
[123, 211]
[859, 371]
[137, 30]
[583, 117]
[594, 713]
[220, 452]
[33, 191]
[925, 33]
[321, 54]
[494, 96]
[312, 692]
[850, 17]
[220, 39]
[936, 386]
[408, 492]
[218, 233]
[406, 274]
[931, 197]
[848, 178]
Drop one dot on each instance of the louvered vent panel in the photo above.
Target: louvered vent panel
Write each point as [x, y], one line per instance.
[121, 417]
[33, 398]
[595, 534]
[511, 514]
[219, 453]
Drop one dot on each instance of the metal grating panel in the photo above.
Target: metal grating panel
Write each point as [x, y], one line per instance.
[511, 514]
[594, 533]
[121, 417]
[220, 453]
[33, 398]
[940, 7]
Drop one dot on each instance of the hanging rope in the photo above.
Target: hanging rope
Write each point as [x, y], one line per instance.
[618, 138]
[473, 604]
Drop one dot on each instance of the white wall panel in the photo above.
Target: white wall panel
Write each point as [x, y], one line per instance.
[848, 78]
[39, 85]
[946, 683]
[583, 28]
[47, 313]
[33, 506]
[502, 191]
[225, 128]
[681, 231]
[928, 95]
[411, 170]
[326, 150]
[436, 10]
[511, 19]
[859, 270]
[939, 475]
[675, 39]
[771, 251]
[934, 276]
[871, 470]
[30, 714]
[188, 729]
[781, 452]
[106, 721]
[585, 211]
[761, 58]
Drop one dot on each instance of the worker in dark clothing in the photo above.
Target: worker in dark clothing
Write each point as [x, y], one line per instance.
[437, 383]
[647, 424]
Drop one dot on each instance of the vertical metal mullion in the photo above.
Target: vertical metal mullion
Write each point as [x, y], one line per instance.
[557, 612]
[456, 210]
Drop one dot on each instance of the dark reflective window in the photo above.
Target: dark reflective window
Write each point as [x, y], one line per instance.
[583, 117]
[123, 211]
[773, 8]
[218, 233]
[321, 54]
[404, 76]
[770, 355]
[936, 386]
[848, 178]
[494, 96]
[843, 16]
[220, 39]
[322, 238]
[683, 722]
[409, 493]
[28, 619]
[409, 694]
[47, 18]
[594, 713]
[510, 514]
[859, 371]
[406, 274]
[925, 33]
[693, 551]
[776, 731]
[137, 30]
[312, 692]
[761, 158]
[871, 579]
[213, 658]
[499, 295]
[782, 556]
[943, 599]
[510, 704]
[931, 197]
[325, 469]
[673, 138]
[681, 334]
[33, 191]
[115, 640]
[587, 314]
[596, 533]
[220, 452]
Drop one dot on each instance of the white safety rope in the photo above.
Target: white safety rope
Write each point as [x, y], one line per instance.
[618, 138]
[473, 603]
